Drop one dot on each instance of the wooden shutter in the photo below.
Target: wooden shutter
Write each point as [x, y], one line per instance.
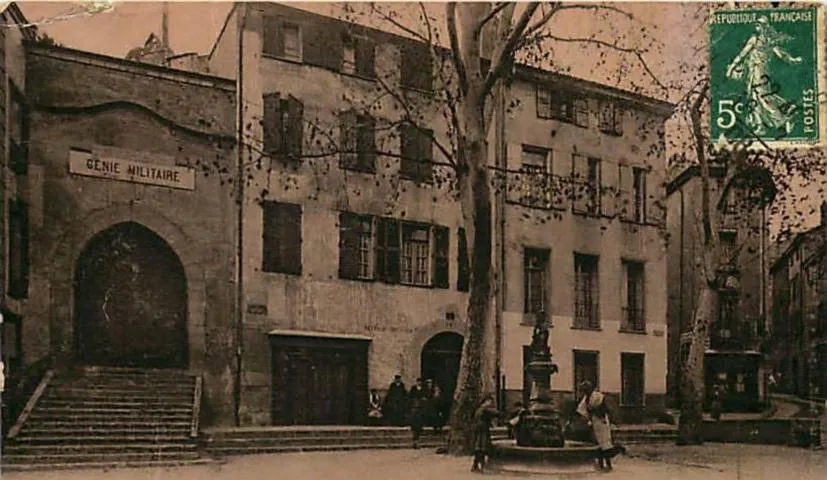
[282, 230]
[273, 32]
[626, 204]
[295, 128]
[408, 165]
[417, 66]
[579, 183]
[655, 211]
[323, 45]
[441, 263]
[366, 57]
[349, 237]
[347, 139]
[273, 124]
[426, 154]
[559, 185]
[366, 143]
[463, 270]
[387, 250]
[608, 189]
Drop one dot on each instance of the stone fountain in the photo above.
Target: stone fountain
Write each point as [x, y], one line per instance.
[540, 445]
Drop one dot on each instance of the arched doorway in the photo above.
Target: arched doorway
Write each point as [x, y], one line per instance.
[440, 361]
[130, 300]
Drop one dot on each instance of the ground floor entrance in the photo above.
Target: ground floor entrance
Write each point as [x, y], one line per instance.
[130, 301]
[440, 362]
[318, 380]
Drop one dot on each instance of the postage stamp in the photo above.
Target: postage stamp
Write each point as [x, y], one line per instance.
[767, 81]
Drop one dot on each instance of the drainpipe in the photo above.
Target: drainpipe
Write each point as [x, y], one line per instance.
[679, 376]
[500, 157]
[240, 179]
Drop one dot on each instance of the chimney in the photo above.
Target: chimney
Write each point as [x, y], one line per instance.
[165, 25]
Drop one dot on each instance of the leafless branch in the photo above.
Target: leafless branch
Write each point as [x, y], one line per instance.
[493, 13]
[396, 23]
[506, 53]
[451, 19]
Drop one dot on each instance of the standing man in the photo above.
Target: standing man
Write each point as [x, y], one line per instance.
[417, 398]
[395, 402]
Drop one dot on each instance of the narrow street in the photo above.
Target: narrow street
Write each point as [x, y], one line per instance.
[708, 462]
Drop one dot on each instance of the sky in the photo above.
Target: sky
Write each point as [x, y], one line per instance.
[193, 27]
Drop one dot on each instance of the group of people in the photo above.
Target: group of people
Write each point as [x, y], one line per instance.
[424, 405]
[592, 409]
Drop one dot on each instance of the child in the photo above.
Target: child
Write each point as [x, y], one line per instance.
[482, 433]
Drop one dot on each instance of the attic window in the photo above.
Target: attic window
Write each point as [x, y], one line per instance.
[292, 41]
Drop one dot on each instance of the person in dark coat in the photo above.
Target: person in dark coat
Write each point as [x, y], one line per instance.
[395, 403]
[417, 399]
[481, 441]
[433, 403]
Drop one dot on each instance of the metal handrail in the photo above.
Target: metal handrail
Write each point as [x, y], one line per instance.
[196, 406]
[27, 410]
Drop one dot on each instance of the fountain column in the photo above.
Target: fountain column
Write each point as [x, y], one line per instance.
[540, 425]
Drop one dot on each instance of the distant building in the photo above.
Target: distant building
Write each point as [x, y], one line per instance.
[733, 356]
[799, 312]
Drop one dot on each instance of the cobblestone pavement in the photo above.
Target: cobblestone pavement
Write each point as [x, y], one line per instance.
[665, 462]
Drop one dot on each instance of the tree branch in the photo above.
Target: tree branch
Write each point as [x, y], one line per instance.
[504, 57]
[493, 13]
[396, 23]
[451, 19]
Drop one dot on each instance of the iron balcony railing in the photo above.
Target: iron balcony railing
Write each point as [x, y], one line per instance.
[633, 320]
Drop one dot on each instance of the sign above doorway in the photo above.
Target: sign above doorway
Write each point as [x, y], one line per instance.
[87, 163]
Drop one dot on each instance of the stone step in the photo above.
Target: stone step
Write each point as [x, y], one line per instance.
[27, 449]
[120, 388]
[118, 415]
[123, 438]
[309, 441]
[106, 423]
[253, 450]
[96, 457]
[81, 393]
[70, 410]
[138, 464]
[104, 431]
[47, 402]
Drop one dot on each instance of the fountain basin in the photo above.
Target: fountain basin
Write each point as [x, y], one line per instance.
[573, 458]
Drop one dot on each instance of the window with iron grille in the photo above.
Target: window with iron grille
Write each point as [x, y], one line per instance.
[634, 319]
[586, 368]
[535, 275]
[632, 390]
[359, 56]
[586, 303]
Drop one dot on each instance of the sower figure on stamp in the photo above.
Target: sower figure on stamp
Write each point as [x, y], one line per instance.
[765, 108]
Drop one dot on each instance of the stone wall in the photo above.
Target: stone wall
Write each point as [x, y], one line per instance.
[118, 109]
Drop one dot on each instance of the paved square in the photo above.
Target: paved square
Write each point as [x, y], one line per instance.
[708, 462]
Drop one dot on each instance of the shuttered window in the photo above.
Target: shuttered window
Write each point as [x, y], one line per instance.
[587, 294]
[282, 38]
[357, 142]
[417, 66]
[441, 258]
[359, 56]
[417, 153]
[283, 126]
[282, 238]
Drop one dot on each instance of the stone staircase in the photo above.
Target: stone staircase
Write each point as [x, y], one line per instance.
[108, 417]
[256, 440]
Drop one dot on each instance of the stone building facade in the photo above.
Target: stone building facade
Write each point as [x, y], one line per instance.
[14, 188]
[799, 313]
[354, 263]
[734, 355]
[130, 218]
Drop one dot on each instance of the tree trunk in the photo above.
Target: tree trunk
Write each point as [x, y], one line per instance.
[692, 377]
[475, 197]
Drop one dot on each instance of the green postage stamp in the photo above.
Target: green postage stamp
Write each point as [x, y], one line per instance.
[767, 77]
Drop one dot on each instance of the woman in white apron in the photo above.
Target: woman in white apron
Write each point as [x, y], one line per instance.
[593, 408]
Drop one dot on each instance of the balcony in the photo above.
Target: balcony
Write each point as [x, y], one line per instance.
[634, 320]
[537, 189]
